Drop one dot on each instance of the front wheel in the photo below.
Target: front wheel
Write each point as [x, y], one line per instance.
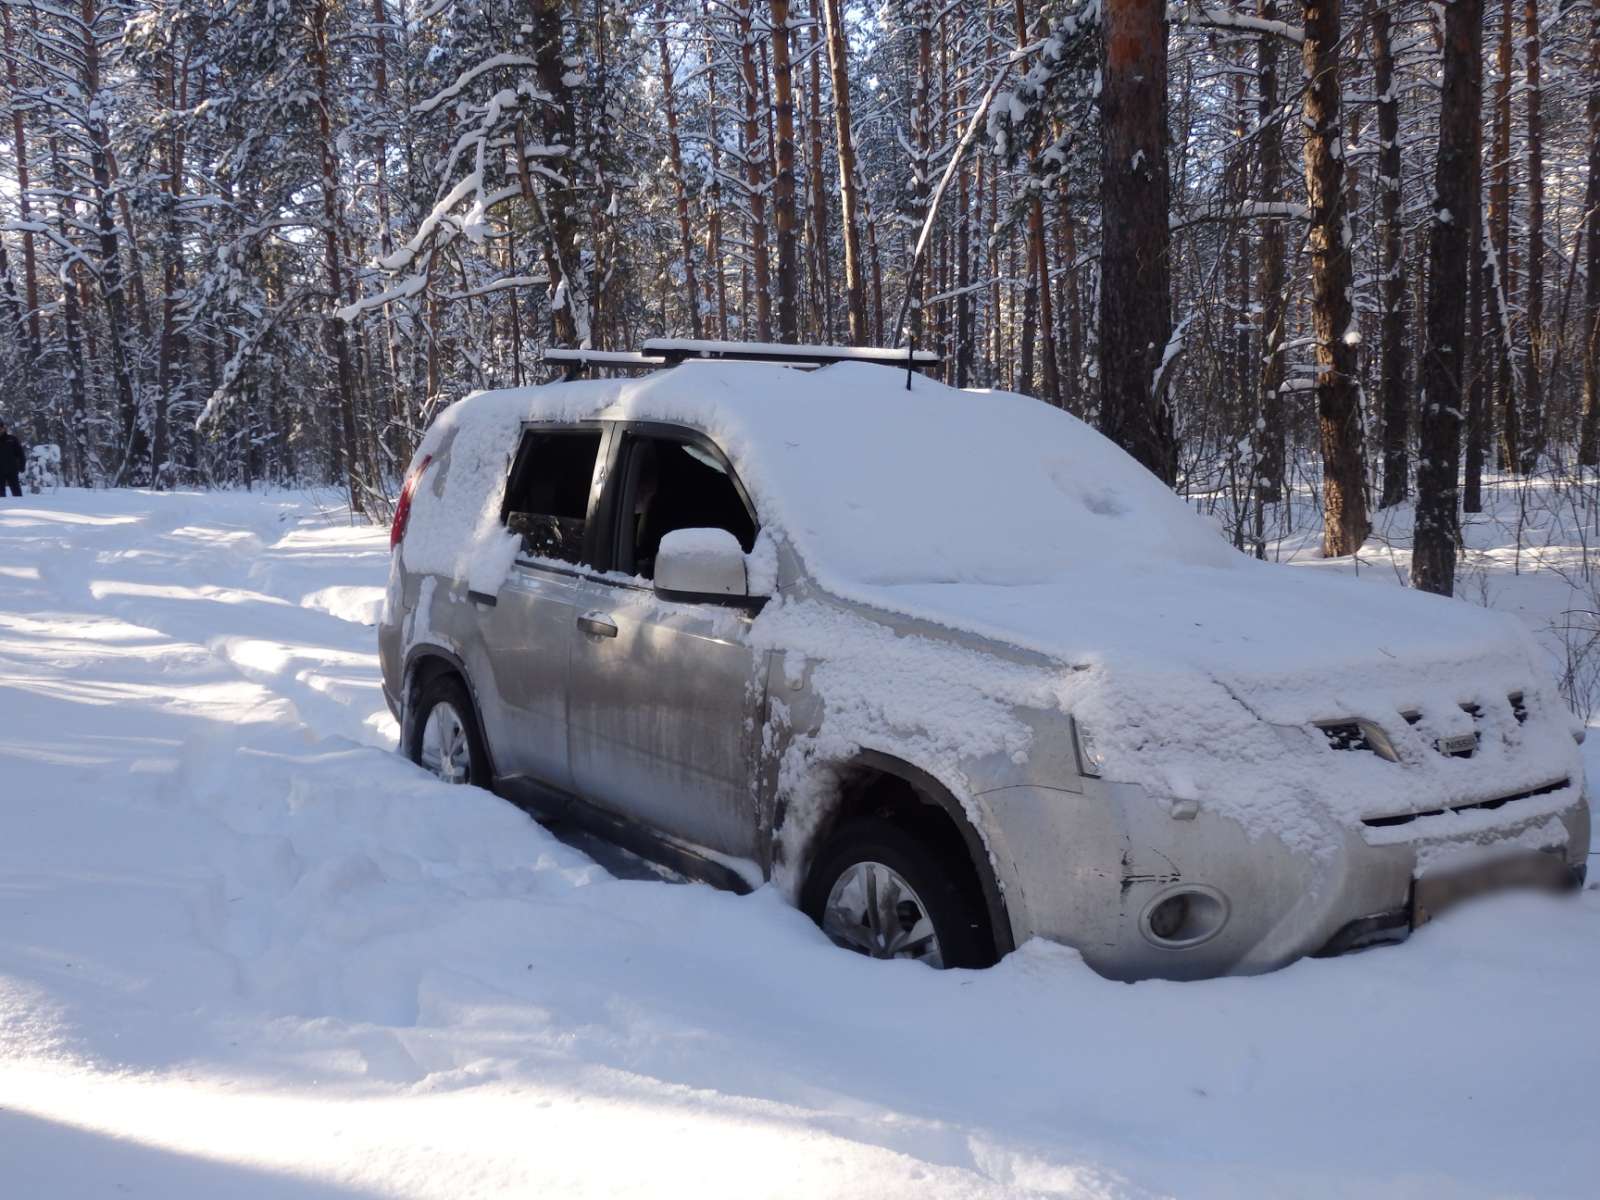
[879, 890]
[445, 740]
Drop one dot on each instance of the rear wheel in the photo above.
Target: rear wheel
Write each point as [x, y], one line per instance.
[445, 739]
[879, 890]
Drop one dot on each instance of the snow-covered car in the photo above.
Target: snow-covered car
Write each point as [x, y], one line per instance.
[952, 671]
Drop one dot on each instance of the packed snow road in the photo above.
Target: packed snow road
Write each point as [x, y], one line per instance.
[247, 950]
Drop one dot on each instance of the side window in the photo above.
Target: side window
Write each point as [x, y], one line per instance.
[547, 496]
[674, 485]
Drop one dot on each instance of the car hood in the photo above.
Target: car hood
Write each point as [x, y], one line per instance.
[1207, 683]
[1293, 645]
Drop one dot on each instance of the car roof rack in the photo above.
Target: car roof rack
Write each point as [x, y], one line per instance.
[574, 363]
[677, 350]
[669, 352]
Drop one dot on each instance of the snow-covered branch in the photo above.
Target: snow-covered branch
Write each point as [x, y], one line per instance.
[1249, 210]
[1202, 17]
[466, 77]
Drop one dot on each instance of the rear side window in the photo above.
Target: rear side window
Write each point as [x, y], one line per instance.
[547, 496]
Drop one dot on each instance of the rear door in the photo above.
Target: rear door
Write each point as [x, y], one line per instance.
[528, 626]
[667, 697]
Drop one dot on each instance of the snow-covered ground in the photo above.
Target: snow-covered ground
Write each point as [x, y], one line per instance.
[246, 950]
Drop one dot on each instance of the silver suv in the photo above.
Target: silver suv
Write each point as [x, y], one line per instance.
[952, 671]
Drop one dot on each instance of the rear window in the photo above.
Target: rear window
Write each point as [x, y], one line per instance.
[547, 496]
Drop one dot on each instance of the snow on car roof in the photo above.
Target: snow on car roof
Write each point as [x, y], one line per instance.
[876, 484]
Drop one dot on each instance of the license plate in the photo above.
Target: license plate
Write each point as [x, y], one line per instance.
[1433, 894]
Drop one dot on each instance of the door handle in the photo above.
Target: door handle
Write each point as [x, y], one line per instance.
[597, 623]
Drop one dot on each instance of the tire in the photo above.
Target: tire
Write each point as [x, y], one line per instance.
[443, 700]
[870, 853]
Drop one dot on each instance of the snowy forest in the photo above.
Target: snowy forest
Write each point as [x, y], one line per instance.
[1261, 245]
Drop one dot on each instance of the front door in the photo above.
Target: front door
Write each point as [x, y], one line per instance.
[666, 698]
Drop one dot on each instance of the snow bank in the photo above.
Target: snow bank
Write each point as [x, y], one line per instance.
[361, 605]
[249, 951]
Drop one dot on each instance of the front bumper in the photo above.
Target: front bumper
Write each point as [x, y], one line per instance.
[1085, 869]
[1388, 928]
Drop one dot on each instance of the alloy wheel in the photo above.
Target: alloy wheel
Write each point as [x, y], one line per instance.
[445, 749]
[872, 910]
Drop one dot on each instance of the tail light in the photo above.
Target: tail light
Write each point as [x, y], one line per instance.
[402, 506]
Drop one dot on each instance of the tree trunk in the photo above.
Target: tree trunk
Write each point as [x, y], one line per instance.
[30, 278]
[783, 183]
[1477, 360]
[380, 88]
[1500, 233]
[570, 316]
[1135, 319]
[1533, 386]
[1345, 523]
[962, 376]
[333, 327]
[1039, 263]
[817, 199]
[839, 73]
[1391, 265]
[718, 284]
[680, 189]
[133, 444]
[876, 271]
[79, 448]
[997, 355]
[172, 279]
[755, 171]
[1070, 398]
[1589, 443]
[1269, 420]
[921, 186]
[1449, 257]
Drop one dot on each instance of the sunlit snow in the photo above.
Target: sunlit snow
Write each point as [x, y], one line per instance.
[248, 951]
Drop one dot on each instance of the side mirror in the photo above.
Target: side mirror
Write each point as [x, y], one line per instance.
[700, 563]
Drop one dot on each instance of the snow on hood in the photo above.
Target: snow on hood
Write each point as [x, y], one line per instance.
[1290, 645]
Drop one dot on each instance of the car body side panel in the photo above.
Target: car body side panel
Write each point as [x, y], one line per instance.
[805, 791]
[665, 717]
[526, 641]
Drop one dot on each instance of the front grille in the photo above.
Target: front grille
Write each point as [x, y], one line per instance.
[1345, 735]
[1359, 734]
[1499, 802]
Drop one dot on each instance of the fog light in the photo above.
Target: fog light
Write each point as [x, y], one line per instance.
[1184, 916]
[1168, 917]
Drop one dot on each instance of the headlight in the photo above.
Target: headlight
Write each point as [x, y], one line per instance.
[1090, 760]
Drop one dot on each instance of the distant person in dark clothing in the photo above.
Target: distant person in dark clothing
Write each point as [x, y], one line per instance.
[12, 461]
